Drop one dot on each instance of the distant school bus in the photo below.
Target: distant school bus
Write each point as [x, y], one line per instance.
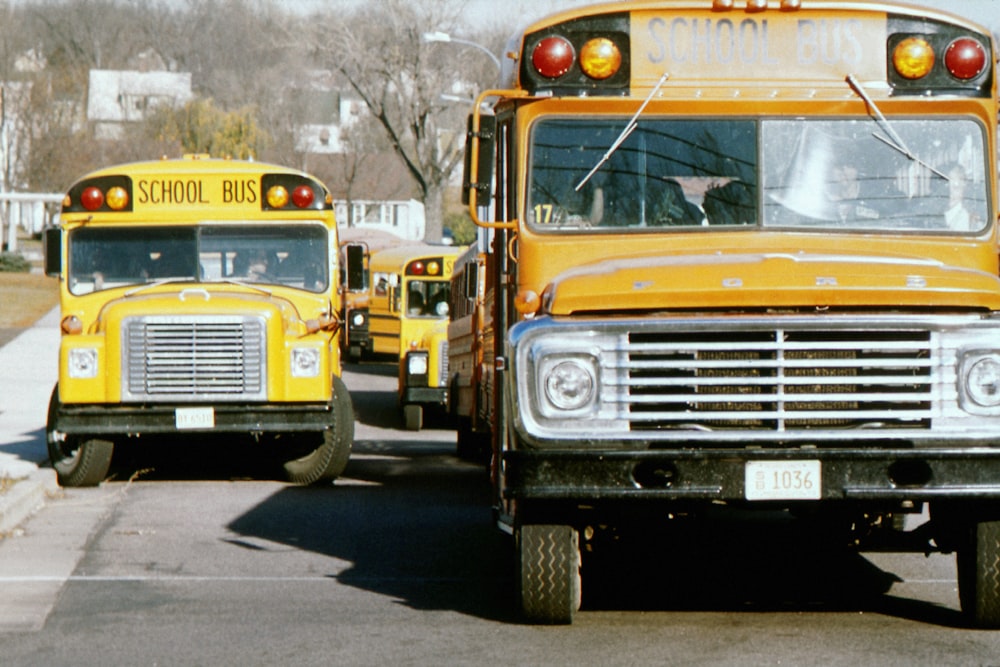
[745, 256]
[468, 394]
[408, 312]
[198, 297]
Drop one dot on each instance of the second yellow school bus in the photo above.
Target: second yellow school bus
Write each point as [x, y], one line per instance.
[198, 297]
[408, 302]
[745, 256]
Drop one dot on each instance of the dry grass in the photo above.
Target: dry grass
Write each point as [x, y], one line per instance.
[25, 298]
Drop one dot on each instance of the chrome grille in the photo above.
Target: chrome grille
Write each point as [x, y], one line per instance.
[194, 358]
[443, 363]
[780, 380]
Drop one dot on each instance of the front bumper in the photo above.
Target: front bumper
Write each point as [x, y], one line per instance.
[856, 474]
[425, 395]
[109, 420]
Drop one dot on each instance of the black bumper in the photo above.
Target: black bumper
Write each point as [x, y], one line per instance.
[95, 420]
[719, 474]
[425, 396]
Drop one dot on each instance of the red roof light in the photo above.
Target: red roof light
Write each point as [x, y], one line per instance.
[92, 198]
[965, 58]
[553, 57]
[303, 196]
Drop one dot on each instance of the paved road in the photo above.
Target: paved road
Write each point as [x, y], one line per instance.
[206, 560]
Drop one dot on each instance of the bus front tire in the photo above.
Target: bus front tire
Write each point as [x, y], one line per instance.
[978, 561]
[327, 461]
[77, 461]
[549, 569]
[413, 417]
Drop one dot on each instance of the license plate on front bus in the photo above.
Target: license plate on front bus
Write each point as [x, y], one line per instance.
[194, 418]
[783, 480]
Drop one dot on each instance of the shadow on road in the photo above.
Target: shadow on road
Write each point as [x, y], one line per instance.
[416, 524]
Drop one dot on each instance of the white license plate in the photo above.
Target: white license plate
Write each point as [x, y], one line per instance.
[192, 418]
[783, 480]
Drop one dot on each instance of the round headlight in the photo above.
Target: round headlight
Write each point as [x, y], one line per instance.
[569, 385]
[982, 382]
[357, 319]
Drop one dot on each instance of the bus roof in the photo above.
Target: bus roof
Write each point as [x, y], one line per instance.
[804, 43]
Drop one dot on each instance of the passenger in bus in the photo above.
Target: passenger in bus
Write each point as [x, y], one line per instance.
[730, 204]
[860, 196]
[415, 303]
[667, 205]
[255, 265]
[957, 216]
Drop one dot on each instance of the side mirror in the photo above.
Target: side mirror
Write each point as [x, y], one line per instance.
[472, 281]
[355, 258]
[53, 251]
[485, 140]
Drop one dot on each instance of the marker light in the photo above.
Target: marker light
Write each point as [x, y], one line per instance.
[277, 196]
[117, 198]
[303, 196]
[913, 58]
[600, 58]
[71, 325]
[527, 302]
[553, 57]
[965, 58]
[92, 198]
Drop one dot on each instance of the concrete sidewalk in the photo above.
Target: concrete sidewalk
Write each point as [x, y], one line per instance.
[28, 372]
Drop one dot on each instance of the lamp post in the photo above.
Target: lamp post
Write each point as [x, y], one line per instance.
[429, 37]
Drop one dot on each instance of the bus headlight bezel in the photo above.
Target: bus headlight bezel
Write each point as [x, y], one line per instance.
[568, 383]
[980, 380]
[304, 362]
[81, 363]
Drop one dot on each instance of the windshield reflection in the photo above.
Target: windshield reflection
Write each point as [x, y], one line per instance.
[824, 174]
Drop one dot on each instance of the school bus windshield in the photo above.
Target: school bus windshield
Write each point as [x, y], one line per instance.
[913, 175]
[289, 254]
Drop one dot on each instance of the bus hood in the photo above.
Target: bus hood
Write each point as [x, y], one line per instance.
[212, 299]
[768, 280]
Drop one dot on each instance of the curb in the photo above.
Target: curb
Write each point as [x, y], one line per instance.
[25, 497]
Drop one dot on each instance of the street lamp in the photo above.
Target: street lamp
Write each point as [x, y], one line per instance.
[429, 37]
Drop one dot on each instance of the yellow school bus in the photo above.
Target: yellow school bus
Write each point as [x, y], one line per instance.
[198, 297]
[407, 303]
[468, 402]
[745, 256]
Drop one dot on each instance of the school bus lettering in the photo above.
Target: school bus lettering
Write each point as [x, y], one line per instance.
[705, 41]
[171, 192]
[708, 41]
[753, 264]
[239, 192]
[829, 42]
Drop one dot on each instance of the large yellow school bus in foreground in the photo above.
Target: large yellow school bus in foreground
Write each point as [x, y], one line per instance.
[746, 256]
[198, 297]
[408, 314]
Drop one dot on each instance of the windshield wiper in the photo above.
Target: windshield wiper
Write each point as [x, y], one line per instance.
[893, 141]
[629, 129]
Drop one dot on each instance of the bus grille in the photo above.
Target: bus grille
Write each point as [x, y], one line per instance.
[194, 358]
[780, 380]
[443, 363]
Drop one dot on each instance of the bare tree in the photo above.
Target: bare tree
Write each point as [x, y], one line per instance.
[379, 52]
